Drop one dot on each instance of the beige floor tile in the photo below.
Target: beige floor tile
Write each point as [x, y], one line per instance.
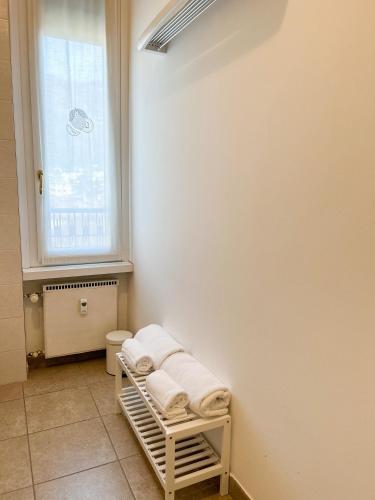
[24, 494]
[217, 497]
[69, 449]
[203, 496]
[141, 478]
[15, 472]
[10, 392]
[206, 490]
[104, 396]
[93, 371]
[145, 484]
[59, 408]
[102, 483]
[12, 419]
[122, 436]
[54, 378]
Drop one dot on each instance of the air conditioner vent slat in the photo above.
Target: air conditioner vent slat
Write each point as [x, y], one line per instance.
[175, 29]
[174, 18]
[178, 20]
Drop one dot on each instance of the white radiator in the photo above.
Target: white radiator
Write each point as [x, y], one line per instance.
[77, 316]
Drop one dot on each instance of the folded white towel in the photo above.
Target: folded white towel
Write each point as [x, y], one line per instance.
[158, 343]
[169, 398]
[207, 395]
[136, 356]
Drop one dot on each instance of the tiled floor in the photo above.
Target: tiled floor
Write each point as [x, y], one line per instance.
[61, 440]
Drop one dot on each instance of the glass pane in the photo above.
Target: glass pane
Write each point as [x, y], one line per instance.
[79, 200]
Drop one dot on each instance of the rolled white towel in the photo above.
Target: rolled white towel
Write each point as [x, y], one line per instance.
[136, 356]
[207, 395]
[169, 398]
[158, 343]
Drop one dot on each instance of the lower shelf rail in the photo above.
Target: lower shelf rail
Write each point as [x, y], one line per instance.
[178, 451]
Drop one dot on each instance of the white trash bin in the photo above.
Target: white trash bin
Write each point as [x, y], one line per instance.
[114, 342]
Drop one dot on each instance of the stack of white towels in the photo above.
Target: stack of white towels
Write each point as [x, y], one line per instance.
[179, 379]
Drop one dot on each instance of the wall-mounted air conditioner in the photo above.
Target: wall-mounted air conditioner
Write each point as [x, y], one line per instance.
[174, 18]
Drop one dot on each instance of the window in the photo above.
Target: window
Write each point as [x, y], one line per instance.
[73, 122]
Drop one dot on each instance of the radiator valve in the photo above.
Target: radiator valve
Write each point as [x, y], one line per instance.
[34, 297]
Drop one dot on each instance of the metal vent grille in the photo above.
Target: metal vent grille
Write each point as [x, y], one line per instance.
[82, 284]
[170, 25]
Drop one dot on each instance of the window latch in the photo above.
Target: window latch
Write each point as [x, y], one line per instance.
[40, 178]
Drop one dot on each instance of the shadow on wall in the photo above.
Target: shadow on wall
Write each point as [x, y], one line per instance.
[228, 30]
[33, 318]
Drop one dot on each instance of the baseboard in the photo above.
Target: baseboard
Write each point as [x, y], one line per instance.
[236, 491]
[74, 358]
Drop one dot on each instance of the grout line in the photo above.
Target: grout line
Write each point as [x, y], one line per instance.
[98, 417]
[132, 455]
[57, 390]
[10, 400]
[82, 380]
[113, 446]
[102, 421]
[77, 472]
[28, 444]
[64, 425]
[17, 490]
[103, 382]
[127, 480]
[13, 437]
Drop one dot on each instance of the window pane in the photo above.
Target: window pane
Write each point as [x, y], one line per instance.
[79, 213]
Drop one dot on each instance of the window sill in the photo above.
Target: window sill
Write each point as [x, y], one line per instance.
[72, 271]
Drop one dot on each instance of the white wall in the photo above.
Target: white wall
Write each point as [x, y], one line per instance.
[253, 159]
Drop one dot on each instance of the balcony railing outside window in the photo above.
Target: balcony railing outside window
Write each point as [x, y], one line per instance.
[79, 228]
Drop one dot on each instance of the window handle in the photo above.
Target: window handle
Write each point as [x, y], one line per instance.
[40, 174]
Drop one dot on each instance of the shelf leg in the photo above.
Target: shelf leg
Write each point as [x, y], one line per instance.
[225, 457]
[170, 449]
[118, 386]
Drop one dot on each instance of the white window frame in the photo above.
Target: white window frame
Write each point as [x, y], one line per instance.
[24, 134]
